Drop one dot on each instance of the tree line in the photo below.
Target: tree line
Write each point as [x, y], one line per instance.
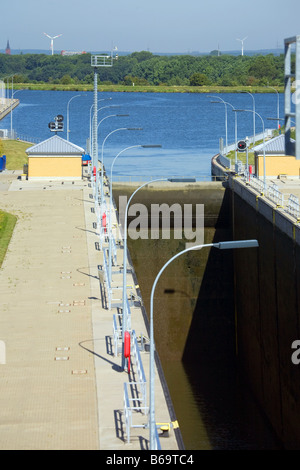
[145, 68]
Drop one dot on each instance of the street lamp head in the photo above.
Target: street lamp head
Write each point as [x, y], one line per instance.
[182, 180]
[134, 128]
[236, 244]
[151, 146]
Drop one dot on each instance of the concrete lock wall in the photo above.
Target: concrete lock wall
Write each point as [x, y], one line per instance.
[267, 316]
[213, 305]
[194, 314]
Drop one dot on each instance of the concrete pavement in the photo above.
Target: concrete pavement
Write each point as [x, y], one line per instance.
[62, 385]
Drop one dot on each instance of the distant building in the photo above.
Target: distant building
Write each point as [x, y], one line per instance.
[7, 50]
[72, 52]
[55, 158]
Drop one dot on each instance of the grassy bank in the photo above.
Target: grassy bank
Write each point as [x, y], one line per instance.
[15, 159]
[7, 224]
[145, 89]
[15, 153]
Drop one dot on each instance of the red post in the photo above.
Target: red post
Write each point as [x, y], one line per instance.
[250, 171]
[127, 348]
[104, 221]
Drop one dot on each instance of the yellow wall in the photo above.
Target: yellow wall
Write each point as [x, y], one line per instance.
[56, 167]
[277, 165]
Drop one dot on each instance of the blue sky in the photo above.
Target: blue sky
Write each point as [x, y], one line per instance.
[155, 25]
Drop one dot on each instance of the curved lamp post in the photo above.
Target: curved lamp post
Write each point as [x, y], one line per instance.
[253, 109]
[264, 153]
[221, 246]
[11, 110]
[235, 125]
[110, 206]
[102, 166]
[226, 132]
[91, 108]
[95, 127]
[76, 96]
[96, 164]
[278, 124]
[124, 298]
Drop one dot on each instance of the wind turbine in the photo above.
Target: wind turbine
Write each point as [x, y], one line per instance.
[242, 41]
[50, 37]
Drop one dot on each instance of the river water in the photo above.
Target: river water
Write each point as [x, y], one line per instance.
[188, 127]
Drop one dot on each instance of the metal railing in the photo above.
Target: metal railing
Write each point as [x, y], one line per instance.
[26, 138]
[110, 288]
[107, 280]
[293, 206]
[157, 441]
[139, 368]
[128, 312]
[275, 195]
[129, 408]
[272, 192]
[117, 334]
[225, 161]
[117, 328]
[257, 184]
[113, 249]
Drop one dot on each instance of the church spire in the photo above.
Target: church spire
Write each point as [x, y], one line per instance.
[7, 50]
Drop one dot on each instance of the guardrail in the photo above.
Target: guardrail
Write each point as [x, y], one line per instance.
[117, 328]
[257, 184]
[111, 288]
[113, 249]
[272, 192]
[26, 138]
[137, 402]
[293, 206]
[225, 161]
[117, 334]
[107, 280]
[129, 408]
[275, 195]
[140, 369]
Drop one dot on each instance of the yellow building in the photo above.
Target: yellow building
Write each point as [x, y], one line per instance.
[55, 158]
[276, 162]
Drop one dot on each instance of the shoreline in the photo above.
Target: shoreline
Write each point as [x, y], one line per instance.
[146, 89]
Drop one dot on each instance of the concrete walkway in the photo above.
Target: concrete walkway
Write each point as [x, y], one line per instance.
[61, 384]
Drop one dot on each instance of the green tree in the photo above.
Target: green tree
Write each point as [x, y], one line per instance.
[66, 80]
[199, 79]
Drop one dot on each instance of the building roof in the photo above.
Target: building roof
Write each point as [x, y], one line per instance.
[273, 146]
[55, 145]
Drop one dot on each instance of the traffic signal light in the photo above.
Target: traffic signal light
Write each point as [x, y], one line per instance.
[57, 125]
[241, 146]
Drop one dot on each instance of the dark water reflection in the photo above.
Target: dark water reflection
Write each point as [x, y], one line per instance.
[215, 409]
